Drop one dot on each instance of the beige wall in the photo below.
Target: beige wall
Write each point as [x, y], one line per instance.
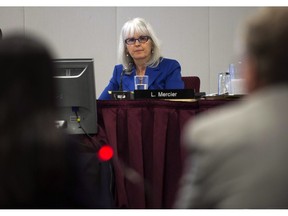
[201, 38]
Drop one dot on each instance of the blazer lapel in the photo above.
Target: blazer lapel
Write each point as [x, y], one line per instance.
[128, 81]
[152, 73]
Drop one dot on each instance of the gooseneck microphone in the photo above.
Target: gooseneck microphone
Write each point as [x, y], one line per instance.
[126, 71]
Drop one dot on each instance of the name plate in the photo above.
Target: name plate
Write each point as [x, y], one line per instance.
[164, 94]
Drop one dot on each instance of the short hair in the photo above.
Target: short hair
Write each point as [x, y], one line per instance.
[266, 41]
[28, 136]
[26, 61]
[138, 25]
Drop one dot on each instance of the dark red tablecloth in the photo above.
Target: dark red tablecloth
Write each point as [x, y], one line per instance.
[146, 138]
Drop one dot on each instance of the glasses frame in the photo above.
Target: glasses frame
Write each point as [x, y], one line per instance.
[141, 40]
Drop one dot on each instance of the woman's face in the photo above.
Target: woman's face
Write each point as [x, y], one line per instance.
[139, 51]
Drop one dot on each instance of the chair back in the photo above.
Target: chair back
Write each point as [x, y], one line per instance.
[192, 82]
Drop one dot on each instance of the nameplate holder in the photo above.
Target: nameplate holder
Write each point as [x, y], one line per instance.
[121, 95]
[165, 94]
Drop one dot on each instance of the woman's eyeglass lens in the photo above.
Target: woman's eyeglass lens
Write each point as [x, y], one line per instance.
[141, 39]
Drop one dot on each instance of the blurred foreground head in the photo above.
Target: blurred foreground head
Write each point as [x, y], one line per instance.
[266, 46]
[33, 158]
[27, 73]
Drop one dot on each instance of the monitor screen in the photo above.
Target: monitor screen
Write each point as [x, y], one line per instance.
[76, 96]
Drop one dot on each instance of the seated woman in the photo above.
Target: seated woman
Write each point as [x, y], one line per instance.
[139, 53]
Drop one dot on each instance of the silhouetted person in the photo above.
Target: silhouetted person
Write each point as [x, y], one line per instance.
[238, 153]
[35, 162]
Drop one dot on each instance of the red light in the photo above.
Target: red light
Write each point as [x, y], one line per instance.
[105, 153]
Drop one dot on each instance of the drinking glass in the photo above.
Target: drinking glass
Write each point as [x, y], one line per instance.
[141, 82]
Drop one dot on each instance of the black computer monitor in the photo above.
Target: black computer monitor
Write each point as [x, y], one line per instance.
[76, 96]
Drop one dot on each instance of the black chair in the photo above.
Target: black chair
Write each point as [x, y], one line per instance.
[192, 82]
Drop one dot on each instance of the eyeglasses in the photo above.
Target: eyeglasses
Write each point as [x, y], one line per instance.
[141, 39]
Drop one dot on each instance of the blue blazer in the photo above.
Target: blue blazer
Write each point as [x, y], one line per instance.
[167, 75]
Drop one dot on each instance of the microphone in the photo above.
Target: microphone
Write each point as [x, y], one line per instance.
[126, 71]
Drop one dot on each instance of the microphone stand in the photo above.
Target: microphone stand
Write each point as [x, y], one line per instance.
[120, 95]
[126, 71]
[121, 78]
